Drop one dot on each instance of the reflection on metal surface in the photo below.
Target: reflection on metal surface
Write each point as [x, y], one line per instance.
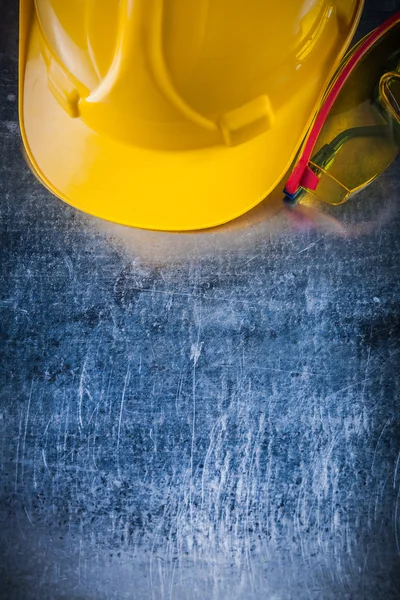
[272, 218]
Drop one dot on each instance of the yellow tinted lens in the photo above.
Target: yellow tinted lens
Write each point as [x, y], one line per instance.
[359, 138]
[329, 189]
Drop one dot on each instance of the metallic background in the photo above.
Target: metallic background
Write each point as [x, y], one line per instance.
[211, 415]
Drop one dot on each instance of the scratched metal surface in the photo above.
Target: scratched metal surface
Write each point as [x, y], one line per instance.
[197, 416]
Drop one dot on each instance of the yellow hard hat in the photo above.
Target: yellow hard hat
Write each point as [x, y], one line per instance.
[173, 114]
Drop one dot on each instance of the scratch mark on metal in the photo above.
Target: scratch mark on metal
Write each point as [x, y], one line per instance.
[311, 245]
[121, 410]
[26, 429]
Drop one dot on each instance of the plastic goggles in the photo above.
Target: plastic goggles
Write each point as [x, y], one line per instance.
[356, 132]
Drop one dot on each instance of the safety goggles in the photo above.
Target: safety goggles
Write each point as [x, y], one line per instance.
[356, 132]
